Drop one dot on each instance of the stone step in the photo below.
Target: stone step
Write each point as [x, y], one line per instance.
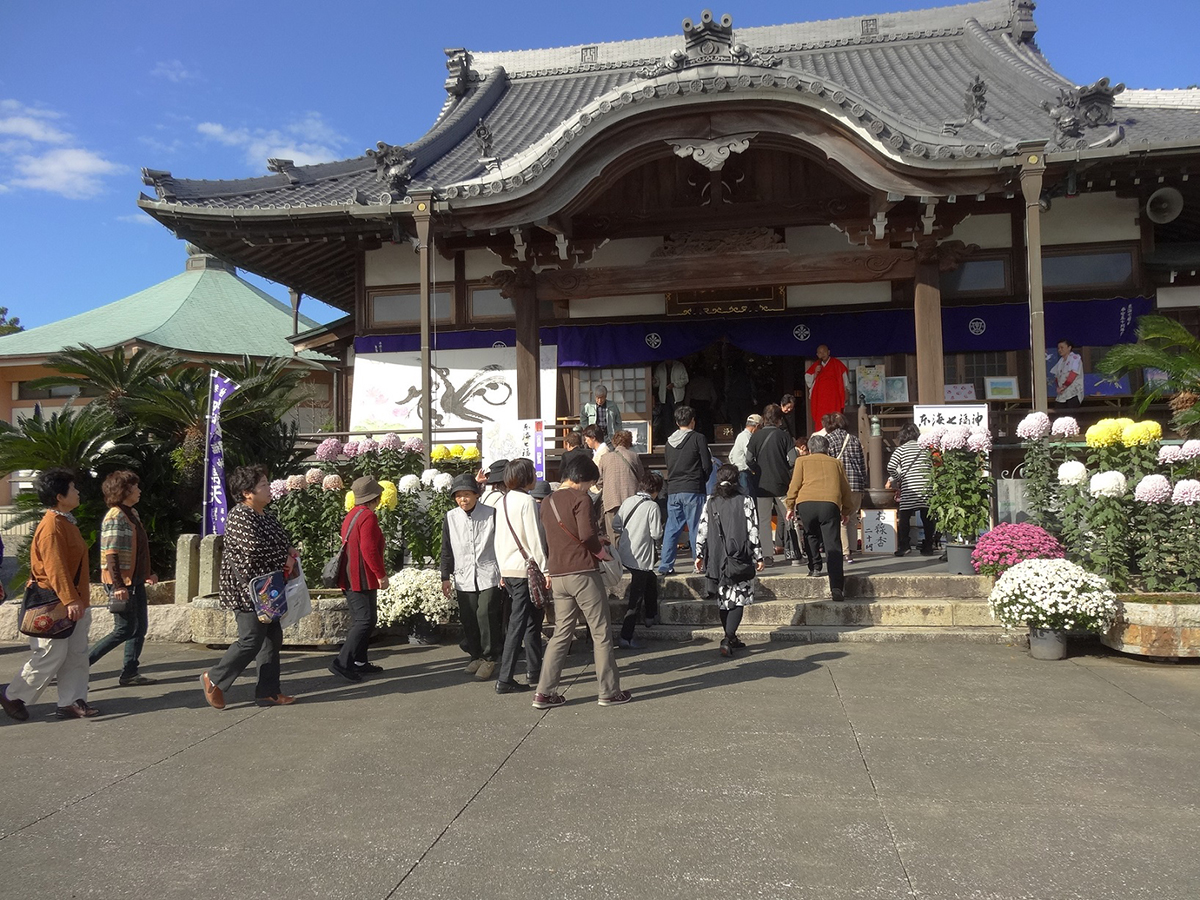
[782, 585]
[941, 612]
[804, 634]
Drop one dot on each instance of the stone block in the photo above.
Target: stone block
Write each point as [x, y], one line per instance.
[169, 622]
[210, 565]
[8, 622]
[187, 568]
[972, 614]
[1156, 629]
[161, 593]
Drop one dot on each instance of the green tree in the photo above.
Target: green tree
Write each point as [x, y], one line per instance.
[7, 325]
[1165, 345]
[121, 378]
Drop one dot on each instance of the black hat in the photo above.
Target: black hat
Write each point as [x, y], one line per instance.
[541, 490]
[495, 472]
[464, 482]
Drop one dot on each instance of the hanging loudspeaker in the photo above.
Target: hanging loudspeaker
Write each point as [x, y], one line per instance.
[1164, 206]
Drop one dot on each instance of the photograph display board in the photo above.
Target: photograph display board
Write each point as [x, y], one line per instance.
[471, 389]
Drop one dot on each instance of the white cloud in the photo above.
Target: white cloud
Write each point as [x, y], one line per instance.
[306, 140]
[30, 159]
[173, 70]
[30, 123]
[140, 219]
[70, 172]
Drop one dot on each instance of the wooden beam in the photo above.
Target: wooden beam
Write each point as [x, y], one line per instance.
[687, 273]
[1033, 168]
[927, 313]
[525, 304]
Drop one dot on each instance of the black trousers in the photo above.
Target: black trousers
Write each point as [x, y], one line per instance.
[364, 615]
[823, 525]
[643, 593]
[258, 642]
[928, 528]
[524, 625]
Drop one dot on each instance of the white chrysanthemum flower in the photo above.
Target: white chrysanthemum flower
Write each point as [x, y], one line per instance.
[1034, 427]
[1072, 472]
[409, 484]
[1108, 484]
[428, 475]
[443, 481]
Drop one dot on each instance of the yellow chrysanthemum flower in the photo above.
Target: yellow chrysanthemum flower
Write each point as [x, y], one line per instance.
[1141, 433]
[457, 451]
[472, 454]
[1106, 432]
[349, 500]
[387, 500]
[440, 453]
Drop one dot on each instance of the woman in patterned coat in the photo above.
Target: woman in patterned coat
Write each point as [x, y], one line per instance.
[729, 552]
[255, 544]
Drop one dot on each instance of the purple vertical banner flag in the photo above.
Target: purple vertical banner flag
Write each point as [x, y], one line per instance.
[215, 507]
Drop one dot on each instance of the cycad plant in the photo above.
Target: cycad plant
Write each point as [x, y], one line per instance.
[1167, 346]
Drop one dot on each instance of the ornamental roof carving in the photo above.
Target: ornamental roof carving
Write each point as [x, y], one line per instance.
[944, 90]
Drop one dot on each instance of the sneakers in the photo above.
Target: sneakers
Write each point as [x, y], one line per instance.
[77, 710]
[349, 674]
[277, 700]
[837, 594]
[367, 669]
[129, 680]
[616, 699]
[510, 687]
[212, 693]
[725, 649]
[15, 708]
[486, 670]
[473, 666]
[630, 644]
[903, 552]
[548, 701]
[815, 571]
[736, 643]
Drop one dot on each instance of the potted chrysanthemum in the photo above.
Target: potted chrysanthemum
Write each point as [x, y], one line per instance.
[960, 496]
[1052, 597]
[414, 598]
[1007, 544]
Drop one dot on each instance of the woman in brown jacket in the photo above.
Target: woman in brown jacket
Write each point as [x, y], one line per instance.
[58, 562]
[819, 497]
[620, 471]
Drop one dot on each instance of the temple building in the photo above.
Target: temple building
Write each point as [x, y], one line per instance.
[920, 190]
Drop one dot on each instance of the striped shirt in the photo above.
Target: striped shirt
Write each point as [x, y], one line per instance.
[912, 463]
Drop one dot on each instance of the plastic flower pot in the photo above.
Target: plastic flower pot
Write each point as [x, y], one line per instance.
[1045, 643]
[958, 559]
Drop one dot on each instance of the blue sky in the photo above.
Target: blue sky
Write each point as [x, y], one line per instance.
[91, 92]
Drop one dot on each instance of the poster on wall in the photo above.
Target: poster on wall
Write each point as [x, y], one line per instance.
[471, 389]
[871, 384]
[973, 415]
[517, 439]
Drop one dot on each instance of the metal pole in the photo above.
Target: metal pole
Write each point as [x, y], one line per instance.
[422, 217]
[1033, 169]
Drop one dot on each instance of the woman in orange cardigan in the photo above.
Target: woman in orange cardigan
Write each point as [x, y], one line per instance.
[58, 562]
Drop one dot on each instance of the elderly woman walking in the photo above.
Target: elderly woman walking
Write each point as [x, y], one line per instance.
[620, 471]
[819, 498]
[361, 580]
[255, 544]
[910, 469]
[518, 540]
[729, 552]
[125, 555]
[58, 565]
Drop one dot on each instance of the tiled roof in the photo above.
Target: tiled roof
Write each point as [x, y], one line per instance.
[900, 79]
[205, 311]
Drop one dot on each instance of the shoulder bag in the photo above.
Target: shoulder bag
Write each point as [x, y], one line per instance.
[268, 594]
[43, 614]
[539, 593]
[332, 572]
[737, 566]
[897, 480]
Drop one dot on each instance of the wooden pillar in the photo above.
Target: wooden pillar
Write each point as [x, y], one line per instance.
[422, 217]
[1033, 168]
[927, 312]
[529, 346]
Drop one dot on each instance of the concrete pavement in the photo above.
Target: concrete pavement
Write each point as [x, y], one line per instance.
[828, 771]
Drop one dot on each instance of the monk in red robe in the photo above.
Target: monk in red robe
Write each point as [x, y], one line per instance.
[827, 381]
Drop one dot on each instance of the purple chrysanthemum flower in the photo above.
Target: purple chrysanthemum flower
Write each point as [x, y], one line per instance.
[1034, 427]
[1153, 489]
[390, 441]
[278, 488]
[414, 445]
[329, 450]
[1186, 493]
[350, 449]
[1065, 426]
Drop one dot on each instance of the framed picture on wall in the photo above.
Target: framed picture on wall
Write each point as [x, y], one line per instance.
[896, 388]
[1001, 387]
[641, 435]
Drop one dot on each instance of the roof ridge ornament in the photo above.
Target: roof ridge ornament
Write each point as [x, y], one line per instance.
[284, 167]
[1087, 106]
[462, 76]
[1023, 26]
[155, 178]
[976, 99]
[707, 43]
[393, 166]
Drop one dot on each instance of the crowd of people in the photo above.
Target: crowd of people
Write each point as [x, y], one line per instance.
[514, 552]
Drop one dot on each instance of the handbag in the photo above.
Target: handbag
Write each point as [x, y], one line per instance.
[268, 593]
[331, 573]
[43, 614]
[116, 604]
[539, 593]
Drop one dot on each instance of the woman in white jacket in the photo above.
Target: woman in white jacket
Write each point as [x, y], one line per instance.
[517, 522]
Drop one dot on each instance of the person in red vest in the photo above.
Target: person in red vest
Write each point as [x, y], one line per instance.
[828, 380]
